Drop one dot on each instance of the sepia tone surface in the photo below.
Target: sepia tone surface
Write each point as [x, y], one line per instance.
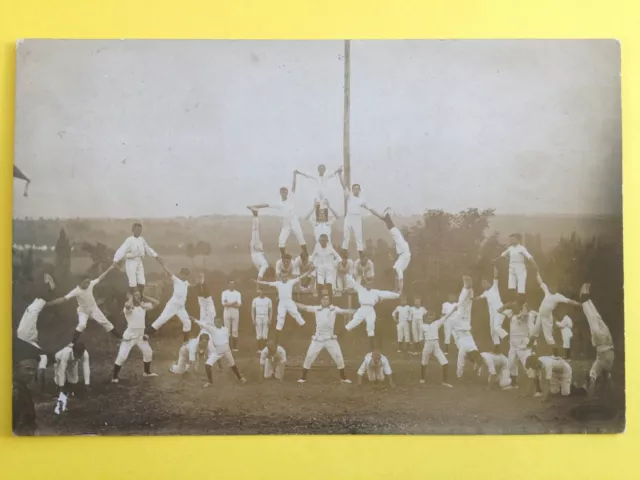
[465, 141]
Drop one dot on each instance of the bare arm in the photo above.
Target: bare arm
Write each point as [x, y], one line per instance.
[293, 186]
[57, 301]
[253, 313]
[166, 270]
[345, 188]
[151, 300]
[313, 209]
[260, 205]
[303, 174]
[105, 273]
[262, 282]
[335, 214]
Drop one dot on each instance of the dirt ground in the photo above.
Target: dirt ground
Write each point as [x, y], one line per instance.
[173, 404]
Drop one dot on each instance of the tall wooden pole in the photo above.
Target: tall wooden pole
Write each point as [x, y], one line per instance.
[346, 118]
[345, 136]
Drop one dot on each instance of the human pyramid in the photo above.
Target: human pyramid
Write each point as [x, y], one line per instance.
[327, 272]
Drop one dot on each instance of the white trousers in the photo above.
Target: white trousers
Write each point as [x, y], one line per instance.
[546, 321]
[561, 381]
[465, 344]
[404, 331]
[135, 271]
[367, 314]
[290, 225]
[518, 277]
[566, 334]
[603, 363]
[284, 307]
[272, 369]
[325, 274]
[262, 327]
[221, 351]
[96, 314]
[432, 347]
[404, 258]
[260, 262]
[133, 338]
[232, 321]
[518, 351]
[331, 346]
[416, 331]
[207, 309]
[448, 330]
[180, 366]
[495, 327]
[173, 308]
[341, 283]
[69, 375]
[352, 224]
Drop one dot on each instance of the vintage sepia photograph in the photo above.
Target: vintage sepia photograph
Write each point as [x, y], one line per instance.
[318, 237]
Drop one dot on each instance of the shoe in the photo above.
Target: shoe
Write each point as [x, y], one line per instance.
[511, 387]
[422, 381]
[243, 380]
[259, 352]
[302, 380]
[115, 380]
[207, 385]
[537, 394]
[152, 374]
[398, 351]
[448, 385]
[346, 381]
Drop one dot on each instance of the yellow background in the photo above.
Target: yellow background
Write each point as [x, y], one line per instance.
[325, 457]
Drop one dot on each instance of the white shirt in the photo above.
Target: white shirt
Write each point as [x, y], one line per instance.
[229, 296]
[280, 267]
[517, 254]
[519, 326]
[180, 289]
[368, 298]
[366, 270]
[136, 316]
[65, 359]
[553, 365]
[85, 298]
[402, 313]
[261, 306]
[280, 356]
[28, 326]
[322, 180]
[354, 204]
[343, 269]
[325, 319]
[497, 360]
[430, 330]
[219, 336]
[550, 301]
[134, 247]
[417, 313]
[323, 257]
[285, 289]
[565, 323]
[287, 208]
[492, 295]
[367, 365]
[447, 307]
[465, 300]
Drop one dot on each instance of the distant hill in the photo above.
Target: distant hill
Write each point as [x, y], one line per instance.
[232, 233]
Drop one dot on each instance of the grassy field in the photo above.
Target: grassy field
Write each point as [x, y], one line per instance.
[172, 404]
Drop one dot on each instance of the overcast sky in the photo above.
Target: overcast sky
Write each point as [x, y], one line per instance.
[168, 128]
